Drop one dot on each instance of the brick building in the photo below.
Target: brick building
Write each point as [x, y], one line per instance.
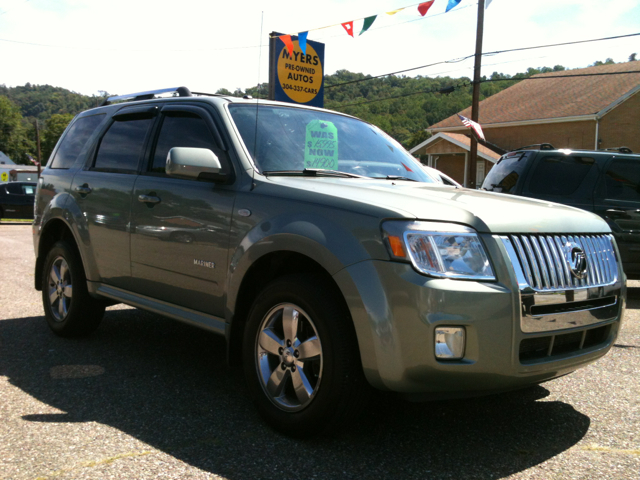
[565, 109]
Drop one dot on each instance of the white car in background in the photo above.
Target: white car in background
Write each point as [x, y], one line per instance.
[440, 177]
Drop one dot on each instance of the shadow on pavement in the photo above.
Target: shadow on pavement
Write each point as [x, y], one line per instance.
[167, 384]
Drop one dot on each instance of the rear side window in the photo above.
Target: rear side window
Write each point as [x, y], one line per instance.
[622, 180]
[14, 188]
[185, 130]
[559, 175]
[122, 146]
[75, 140]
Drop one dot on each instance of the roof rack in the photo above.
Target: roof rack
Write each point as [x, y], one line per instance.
[618, 149]
[181, 91]
[541, 146]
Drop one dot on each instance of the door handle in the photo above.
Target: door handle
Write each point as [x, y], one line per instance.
[83, 189]
[150, 199]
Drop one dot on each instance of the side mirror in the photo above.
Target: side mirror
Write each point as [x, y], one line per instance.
[186, 162]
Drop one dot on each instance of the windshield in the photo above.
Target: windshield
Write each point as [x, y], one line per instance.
[294, 139]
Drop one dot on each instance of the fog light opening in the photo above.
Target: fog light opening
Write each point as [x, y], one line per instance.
[450, 343]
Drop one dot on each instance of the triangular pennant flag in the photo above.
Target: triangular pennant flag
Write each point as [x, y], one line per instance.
[367, 23]
[286, 39]
[423, 8]
[348, 26]
[486, 4]
[302, 40]
[452, 4]
[393, 12]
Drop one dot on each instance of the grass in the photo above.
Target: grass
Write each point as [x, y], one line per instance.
[15, 220]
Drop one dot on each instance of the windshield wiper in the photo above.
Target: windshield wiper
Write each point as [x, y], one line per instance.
[396, 177]
[313, 172]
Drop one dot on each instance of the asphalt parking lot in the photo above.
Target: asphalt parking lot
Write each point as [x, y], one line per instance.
[149, 398]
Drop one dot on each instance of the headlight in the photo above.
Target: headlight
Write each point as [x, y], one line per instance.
[443, 250]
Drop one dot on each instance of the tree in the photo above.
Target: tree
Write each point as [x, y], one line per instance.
[13, 139]
[608, 61]
[53, 129]
[632, 57]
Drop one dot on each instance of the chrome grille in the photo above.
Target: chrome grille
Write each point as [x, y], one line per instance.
[544, 266]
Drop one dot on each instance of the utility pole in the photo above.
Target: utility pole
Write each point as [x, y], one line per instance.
[38, 142]
[473, 154]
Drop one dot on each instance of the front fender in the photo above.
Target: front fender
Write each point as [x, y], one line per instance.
[328, 243]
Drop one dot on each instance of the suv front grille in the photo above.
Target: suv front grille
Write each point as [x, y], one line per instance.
[545, 267]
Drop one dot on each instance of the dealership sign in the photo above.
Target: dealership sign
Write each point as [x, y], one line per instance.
[296, 74]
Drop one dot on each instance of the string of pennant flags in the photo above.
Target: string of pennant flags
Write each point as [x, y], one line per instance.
[423, 8]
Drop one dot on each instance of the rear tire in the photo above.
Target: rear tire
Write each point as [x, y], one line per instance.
[69, 309]
[301, 358]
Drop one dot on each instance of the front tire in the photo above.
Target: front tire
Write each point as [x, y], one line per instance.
[69, 309]
[301, 358]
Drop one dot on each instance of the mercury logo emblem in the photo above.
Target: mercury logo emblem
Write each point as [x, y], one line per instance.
[576, 260]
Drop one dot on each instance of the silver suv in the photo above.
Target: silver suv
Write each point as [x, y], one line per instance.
[329, 260]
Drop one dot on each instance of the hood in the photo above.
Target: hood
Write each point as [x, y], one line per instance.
[487, 212]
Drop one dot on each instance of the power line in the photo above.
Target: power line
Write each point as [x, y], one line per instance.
[457, 60]
[452, 88]
[557, 76]
[445, 90]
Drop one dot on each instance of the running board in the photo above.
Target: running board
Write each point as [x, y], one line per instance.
[182, 314]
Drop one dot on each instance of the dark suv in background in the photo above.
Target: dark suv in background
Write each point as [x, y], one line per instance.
[604, 182]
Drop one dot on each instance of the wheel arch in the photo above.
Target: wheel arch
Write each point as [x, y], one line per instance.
[261, 272]
[56, 229]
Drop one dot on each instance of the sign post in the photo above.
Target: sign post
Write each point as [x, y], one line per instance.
[296, 76]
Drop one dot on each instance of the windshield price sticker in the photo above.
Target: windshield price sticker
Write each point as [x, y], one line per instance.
[321, 145]
[5, 176]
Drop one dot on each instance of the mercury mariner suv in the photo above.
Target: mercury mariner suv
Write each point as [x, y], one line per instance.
[321, 250]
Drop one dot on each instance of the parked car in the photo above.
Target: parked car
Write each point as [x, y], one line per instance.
[441, 177]
[16, 199]
[604, 182]
[328, 258]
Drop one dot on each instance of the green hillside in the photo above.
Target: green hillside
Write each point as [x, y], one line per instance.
[401, 106]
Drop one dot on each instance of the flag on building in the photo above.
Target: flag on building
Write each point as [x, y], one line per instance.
[472, 125]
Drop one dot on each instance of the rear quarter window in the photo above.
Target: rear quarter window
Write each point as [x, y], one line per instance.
[75, 140]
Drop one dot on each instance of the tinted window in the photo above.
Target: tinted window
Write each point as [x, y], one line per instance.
[622, 180]
[14, 189]
[75, 140]
[504, 176]
[20, 189]
[559, 175]
[122, 145]
[185, 130]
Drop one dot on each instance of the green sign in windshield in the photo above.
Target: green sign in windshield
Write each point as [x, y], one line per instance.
[321, 145]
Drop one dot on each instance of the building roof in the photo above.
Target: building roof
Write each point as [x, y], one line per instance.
[461, 141]
[4, 160]
[557, 95]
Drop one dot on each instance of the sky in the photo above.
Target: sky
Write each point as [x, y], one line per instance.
[125, 46]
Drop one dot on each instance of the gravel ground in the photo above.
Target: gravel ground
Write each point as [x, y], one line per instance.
[149, 398]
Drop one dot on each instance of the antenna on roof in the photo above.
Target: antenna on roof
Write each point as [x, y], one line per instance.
[255, 136]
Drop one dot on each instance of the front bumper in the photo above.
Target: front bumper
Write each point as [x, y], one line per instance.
[396, 311]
